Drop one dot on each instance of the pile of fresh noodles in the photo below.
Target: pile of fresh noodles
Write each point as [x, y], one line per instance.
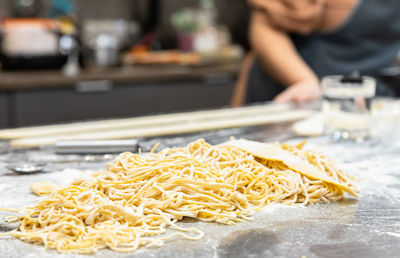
[138, 197]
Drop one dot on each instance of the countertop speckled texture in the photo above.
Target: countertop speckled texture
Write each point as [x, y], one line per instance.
[368, 227]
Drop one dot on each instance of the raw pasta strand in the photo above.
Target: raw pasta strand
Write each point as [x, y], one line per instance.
[138, 199]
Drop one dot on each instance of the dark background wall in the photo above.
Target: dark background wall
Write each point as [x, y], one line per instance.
[233, 13]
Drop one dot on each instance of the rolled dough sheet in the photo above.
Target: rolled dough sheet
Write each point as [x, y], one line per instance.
[138, 122]
[169, 129]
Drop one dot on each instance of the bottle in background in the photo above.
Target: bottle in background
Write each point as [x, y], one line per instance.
[206, 37]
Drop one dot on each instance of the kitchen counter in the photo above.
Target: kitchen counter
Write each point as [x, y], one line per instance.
[29, 80]
[367, 227]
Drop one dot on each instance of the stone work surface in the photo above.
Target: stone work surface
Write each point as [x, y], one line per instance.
[367, 227]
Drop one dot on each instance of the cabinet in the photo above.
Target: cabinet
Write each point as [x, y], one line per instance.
[3, 110]
[63, 105]
[191, 96]
[47, 97]
[34, 107]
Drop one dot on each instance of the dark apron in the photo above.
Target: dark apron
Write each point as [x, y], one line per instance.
[367, 41]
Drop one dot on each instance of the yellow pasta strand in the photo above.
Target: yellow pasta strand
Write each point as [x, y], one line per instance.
[139, 197]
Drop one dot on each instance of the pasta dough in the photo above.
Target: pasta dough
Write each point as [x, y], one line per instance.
[42, 188]
[138, 197]
[312, 126]
[273, 152]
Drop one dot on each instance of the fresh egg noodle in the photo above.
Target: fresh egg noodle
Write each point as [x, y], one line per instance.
[139, 197]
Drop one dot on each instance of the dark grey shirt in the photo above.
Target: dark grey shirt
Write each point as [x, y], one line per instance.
[367, 41]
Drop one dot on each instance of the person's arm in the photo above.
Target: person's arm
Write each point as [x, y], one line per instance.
[239, 93]
[281, 60]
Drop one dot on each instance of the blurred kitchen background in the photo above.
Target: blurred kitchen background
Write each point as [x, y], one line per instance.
[66, 60]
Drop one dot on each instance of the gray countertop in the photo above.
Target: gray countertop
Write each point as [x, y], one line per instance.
[367, 227]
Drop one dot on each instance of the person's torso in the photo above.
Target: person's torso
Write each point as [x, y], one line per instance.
[369, 39]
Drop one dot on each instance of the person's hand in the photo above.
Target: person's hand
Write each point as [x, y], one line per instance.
[300, 92]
